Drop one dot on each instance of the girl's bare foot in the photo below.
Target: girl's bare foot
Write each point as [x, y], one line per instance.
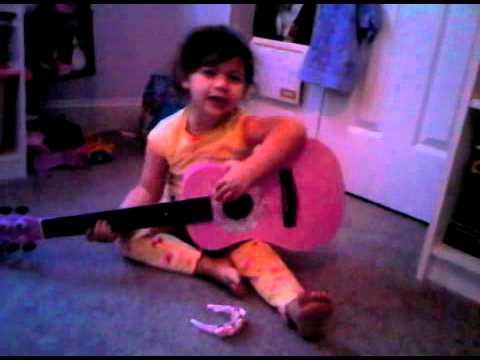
[223, 271]
[308, 313]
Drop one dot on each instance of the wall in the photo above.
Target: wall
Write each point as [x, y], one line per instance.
[131, 42]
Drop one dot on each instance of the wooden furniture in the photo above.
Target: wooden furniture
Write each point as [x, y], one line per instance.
[13, 148]
[443, 264]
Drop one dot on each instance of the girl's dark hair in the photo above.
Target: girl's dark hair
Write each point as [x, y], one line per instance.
[212, 45]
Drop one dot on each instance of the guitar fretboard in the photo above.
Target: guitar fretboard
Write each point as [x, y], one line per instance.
[175, 213]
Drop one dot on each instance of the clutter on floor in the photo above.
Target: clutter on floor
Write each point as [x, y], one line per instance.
[56, 142]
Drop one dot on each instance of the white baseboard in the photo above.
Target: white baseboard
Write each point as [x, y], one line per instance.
[95, 115]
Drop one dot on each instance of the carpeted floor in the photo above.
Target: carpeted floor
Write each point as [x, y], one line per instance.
[71, 297]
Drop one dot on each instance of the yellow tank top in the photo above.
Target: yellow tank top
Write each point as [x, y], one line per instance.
[171, 140]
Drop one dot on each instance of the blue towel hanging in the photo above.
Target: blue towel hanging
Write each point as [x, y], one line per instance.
[339, 31]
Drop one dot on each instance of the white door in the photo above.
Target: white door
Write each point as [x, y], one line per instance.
[392, 134]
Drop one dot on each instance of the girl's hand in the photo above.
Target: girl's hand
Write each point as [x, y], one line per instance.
[234, 183]
[102, 232]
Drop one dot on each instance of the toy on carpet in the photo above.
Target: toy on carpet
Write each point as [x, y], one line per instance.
[231, 327]
[95, 150]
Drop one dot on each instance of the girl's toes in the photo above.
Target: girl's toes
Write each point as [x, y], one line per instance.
[309, 312]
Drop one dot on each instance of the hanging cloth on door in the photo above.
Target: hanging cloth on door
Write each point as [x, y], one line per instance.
[339, 31]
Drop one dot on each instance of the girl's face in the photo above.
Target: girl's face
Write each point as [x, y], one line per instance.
[216, 90]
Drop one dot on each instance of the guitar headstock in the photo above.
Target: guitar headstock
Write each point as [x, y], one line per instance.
[18, 230]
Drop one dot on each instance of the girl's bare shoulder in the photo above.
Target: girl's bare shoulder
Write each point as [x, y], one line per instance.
[160, 135]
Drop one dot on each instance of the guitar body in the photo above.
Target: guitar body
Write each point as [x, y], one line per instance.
[319, 191]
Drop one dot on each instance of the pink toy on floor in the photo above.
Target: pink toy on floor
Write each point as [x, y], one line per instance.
[232, 327]
[45, 160]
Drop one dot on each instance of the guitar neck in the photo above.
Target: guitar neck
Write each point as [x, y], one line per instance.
[175, 213]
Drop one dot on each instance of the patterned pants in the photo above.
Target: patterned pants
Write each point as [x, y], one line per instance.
[254, 260]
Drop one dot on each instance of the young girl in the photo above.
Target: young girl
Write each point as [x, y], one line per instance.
[216, 67]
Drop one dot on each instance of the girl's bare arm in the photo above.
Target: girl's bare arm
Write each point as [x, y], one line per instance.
[151, 184]
[148, 190]
[274, 139]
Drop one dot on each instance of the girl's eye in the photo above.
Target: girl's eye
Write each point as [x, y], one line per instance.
[209, 72]
[236, 78]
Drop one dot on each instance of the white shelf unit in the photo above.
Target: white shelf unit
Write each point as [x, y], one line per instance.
[13, 158]
[442, 264]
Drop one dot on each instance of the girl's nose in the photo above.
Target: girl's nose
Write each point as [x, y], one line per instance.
[220, 81]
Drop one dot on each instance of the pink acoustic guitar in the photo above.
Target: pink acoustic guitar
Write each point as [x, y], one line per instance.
[298, 208]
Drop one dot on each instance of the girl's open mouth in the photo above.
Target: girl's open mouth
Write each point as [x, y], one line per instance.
[217, 100]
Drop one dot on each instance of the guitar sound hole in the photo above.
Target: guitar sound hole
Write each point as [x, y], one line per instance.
[239, 208]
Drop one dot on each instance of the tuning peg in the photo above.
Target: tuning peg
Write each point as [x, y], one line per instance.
[5, 210]
[22, 210]
[19, 226]
[11, 247]
[3, 245]
[30, 246]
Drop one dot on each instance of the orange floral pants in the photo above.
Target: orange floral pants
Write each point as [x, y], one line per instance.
[254, 260]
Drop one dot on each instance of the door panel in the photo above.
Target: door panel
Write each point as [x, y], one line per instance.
[393, 132]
